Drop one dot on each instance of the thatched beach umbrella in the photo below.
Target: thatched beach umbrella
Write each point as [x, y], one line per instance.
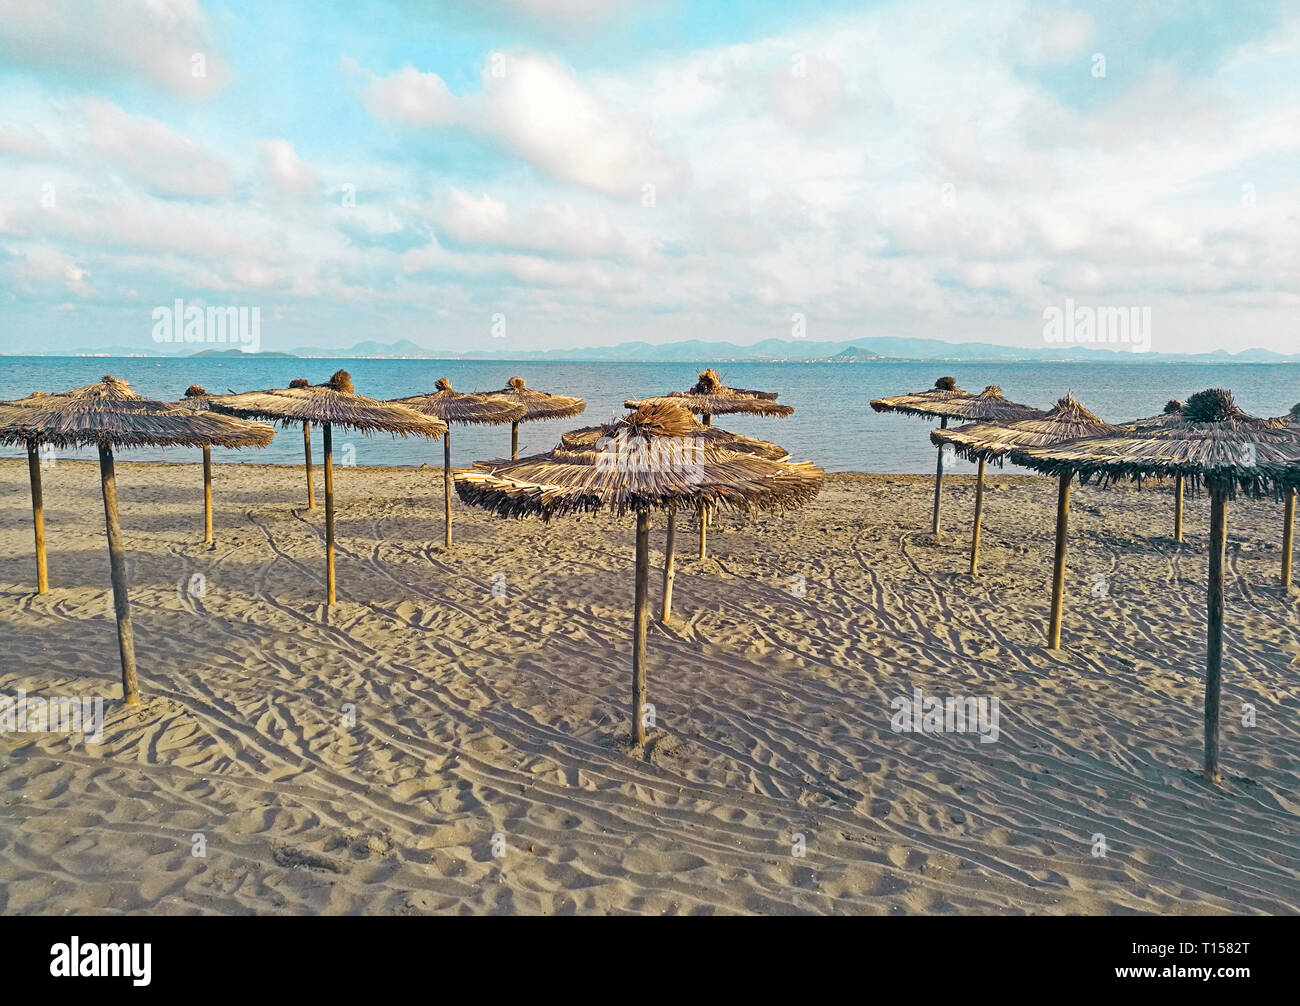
[1068, 420]
[110, 415]
[946, 401]
[1212, 443]
[455, 407]
[537, 405]
[651, 463]
[707, 398]
[591, 438]
[334, 403]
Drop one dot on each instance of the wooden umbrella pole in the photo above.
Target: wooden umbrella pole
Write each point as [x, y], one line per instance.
[1214, 630]
[1288, 537]
[38, 515]
[705, 420]
[938, 480]
[1058, 574]
[669, 542]
[328, 447]
[979, 514]
[307, 450]
[640, 624]
[1178, 509]
[207, 494]
[117, 572]
[514, 441]
[446, 487]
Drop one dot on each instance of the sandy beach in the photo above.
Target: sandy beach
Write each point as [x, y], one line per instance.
[375, 758]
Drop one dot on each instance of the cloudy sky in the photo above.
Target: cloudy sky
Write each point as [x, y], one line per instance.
[598, 171]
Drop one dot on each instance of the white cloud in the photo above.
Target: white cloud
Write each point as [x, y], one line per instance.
[558, 229]
[809, 93]
[41, 267]
[1054, 36]
[26, 142]
[413, 98]
[285, 171]
[568, 9]
[535, 106]
[148, 152]
[157, 40]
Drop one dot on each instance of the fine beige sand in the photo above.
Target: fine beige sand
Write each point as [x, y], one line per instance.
[479, 716]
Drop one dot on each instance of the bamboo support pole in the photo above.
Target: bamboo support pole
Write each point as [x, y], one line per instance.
[1178, 509]
[117, 572]
[938, 480]
[207, 494]
[640, 624]
[979, 515]
[514, 440]
[446, 488]
[705, 420]
[1214, 630]
[670, 542]
[38, 515]
[1058, 573]
[1288, 537]
[328, 447]
[306, 446]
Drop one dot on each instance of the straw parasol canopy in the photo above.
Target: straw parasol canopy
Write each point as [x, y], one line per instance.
[456, 407]
[1172, 410]
[596, 437]
[537, 405]
[588, 437]
[108, 415]
[1069, 419]
[650, 461]
[334, 403]
[947, 401]
[1213, 444]
[709, 397]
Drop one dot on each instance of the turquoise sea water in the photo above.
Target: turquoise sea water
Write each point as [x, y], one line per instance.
[832, 424]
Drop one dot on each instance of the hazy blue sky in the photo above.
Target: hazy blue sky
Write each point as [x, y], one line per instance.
[597, 171]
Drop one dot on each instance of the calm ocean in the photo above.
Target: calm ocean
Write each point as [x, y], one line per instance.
[832, 424]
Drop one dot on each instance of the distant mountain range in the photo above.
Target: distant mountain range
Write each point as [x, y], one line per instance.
[868, 350]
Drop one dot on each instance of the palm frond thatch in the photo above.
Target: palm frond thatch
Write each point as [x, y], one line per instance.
[1211, 443]
[111, 414]
[335, 402]
[536, 404]
[946, 399]
[588, 437]
[1292, 418]
[654, 462]
[460, 407]
[195, 398]
[1069, 419]
[709, 396]
[1172, 410]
